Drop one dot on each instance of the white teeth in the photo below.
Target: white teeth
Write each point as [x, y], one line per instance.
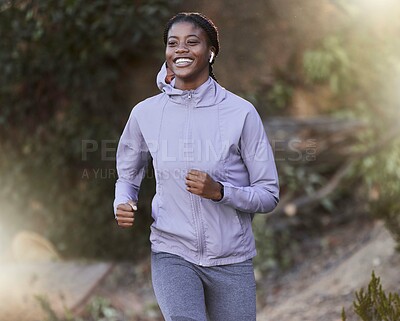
[183, 61]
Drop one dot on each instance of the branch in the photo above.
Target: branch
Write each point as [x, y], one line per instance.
[290, 208]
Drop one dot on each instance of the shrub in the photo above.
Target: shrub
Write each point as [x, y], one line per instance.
[98, 309]
[375, 304]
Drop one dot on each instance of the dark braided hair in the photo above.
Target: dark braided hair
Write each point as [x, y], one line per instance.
[204, 23]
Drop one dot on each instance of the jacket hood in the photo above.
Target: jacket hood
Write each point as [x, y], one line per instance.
[208, 94]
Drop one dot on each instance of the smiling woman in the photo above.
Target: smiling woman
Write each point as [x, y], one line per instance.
[191, 41]
[201, 239]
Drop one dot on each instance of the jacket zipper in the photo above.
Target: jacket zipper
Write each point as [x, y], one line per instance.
[192, 197]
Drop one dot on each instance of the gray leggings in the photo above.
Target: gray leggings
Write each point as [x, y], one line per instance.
[188, 292]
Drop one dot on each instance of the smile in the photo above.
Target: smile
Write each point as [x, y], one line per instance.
[183, 62]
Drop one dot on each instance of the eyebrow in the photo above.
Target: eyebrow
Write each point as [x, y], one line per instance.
[187, 36]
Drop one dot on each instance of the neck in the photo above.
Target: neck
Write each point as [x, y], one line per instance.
[184, 84]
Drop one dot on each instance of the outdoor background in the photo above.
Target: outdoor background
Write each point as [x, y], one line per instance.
[323, 75]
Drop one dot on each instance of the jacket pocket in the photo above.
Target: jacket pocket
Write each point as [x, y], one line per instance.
[224, 232]
[247, 230]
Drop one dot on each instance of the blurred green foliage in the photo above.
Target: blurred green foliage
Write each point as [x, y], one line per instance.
[278, 239]
[271, 99]
[275, 246]
[61, 65]
[329, 63]
[279, 95]
[362, 66]
[98, 309]
[382, 175]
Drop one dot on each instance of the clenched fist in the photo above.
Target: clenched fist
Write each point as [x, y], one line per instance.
[125, 215]
[202, 184]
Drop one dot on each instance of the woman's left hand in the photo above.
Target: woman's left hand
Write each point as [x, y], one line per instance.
[202, 184]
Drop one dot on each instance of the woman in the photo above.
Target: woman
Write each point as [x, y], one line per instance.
[214, 169]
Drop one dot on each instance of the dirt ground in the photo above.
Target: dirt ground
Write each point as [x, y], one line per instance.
[315, 289]
[325, 282]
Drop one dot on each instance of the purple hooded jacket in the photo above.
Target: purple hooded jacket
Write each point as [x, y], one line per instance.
[212, 130]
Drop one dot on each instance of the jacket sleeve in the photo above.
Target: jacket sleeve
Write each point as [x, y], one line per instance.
[262, 195]
[132, 160]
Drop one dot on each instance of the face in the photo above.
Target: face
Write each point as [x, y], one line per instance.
[187, 54]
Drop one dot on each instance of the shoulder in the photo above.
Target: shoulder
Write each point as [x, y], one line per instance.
[148, 105]
[235, 102]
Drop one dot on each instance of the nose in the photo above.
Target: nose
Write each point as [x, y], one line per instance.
[181, 48]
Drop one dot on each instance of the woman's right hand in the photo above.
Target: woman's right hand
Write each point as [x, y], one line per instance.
[125, 214]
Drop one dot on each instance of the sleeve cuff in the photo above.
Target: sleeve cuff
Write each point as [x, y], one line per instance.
[226, 196]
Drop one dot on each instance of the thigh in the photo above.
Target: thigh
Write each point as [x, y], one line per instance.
[230, 292]
[178, 288]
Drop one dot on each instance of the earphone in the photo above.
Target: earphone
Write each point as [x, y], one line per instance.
[212, 56]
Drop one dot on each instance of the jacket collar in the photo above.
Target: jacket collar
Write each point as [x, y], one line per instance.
[208, 94]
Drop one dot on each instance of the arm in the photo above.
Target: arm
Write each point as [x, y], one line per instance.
[263, 193]
[132, 159]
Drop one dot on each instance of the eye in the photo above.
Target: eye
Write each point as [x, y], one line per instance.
[193, 42]
[171, 43]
